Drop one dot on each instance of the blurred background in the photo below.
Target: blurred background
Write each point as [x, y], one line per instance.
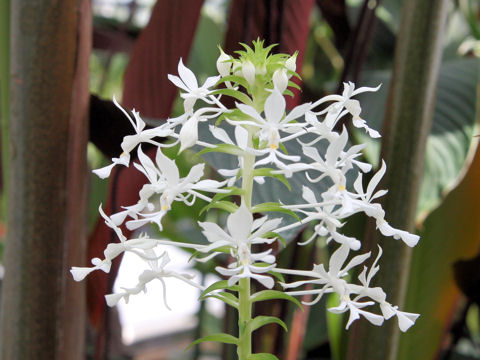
[62, 62]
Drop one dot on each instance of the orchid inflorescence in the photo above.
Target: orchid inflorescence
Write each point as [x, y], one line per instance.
[256, 132]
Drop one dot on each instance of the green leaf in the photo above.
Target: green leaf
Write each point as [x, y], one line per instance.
[294, 85]
[272, 234]
[224, 205]
[219, 337]
[227, 298]
[234, 79]
[277, 275]
[235, 94]
[260, 321]
[271, 206]
[450, 138]
[268, 172]
[274, 294]
[289, 93]
[262, 356]
[219, 285]
[233, 191]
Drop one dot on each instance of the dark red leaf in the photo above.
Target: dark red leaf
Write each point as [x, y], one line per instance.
[167, 37]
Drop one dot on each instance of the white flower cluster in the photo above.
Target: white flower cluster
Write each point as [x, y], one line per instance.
[261, 127]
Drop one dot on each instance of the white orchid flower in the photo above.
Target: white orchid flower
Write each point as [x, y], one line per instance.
[352, 106]
[165, 180]
[333, 280]
[188, 83]
[364, 203]
[245, 267]
[243, 232]
[130, 142]
[113, 250]
[157, 271]
[275, 119]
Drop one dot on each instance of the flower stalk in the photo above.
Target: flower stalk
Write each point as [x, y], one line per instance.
[257, 132]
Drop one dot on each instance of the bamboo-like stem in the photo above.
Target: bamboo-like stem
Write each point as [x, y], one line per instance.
[4, 97]
[408, 118]
[42, 316]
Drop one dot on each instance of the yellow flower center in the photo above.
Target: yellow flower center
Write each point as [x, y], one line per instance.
[273, 147]
[341, 187]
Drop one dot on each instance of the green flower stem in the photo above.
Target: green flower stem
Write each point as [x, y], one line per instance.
[244, 348]
[247, 183]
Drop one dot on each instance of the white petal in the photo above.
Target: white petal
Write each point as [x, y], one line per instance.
[123, 111]
[374, 319]
[308, 195]
[274, 107]
[352, 243]
[187, 76]
[335, 148]
[196, 172]
[296, 112]
[212, 80]
[265, 228]
[168, 168]
[189, 103]
[406, 320]
[104, 172]
[209, 185]
[357, 260]
[376, 179]
[213, 232]
[250, 111]
[148, 166]
[364, 89]
[266, 281]
[79, 273]
[113, 250]
[360, 123]
[177, 82]
[239, 223]
[189, 133]
[337, 259]
[354, 315]
[241, 137]
[387, 310]
[387, 230]
[353, 107]
[131, 141]
[220, 134]
[113, 299]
